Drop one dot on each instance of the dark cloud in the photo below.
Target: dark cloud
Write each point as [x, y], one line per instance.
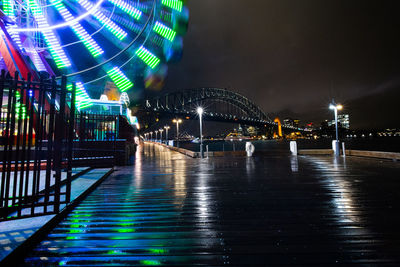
[293, 55]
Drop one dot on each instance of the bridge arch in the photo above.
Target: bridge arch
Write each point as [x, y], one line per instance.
[185, 101]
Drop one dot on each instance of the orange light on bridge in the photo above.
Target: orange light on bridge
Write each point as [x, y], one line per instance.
[278, 121]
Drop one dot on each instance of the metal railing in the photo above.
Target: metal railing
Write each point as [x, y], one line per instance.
[42, 138]
[37, 124]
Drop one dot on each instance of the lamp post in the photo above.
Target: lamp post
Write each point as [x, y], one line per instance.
[177, 121]
[166, 132]
[151, 136]
[156, 135]
[335, 107]
[161, 131]
[200, 112]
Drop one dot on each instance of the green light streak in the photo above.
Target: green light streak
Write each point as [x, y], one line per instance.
[8, 8]
[83, 35]
[130, 10]
[158, 250]
[51, 40]
[19, 106]
[164, 31]
[82, 101]
[150, 262]
[120, 79]
[76, 231]
[125, 230]
[174, 4]
[151, 60]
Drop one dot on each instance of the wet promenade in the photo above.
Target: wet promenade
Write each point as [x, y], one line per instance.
[171, 210]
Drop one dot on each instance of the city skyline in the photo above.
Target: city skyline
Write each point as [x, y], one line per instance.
[294, 57]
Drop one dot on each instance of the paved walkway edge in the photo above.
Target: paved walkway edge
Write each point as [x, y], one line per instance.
[15, 257]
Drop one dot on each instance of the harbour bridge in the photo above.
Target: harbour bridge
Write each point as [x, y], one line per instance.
[219, 105]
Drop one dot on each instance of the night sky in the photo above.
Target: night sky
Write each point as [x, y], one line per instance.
[292, 57]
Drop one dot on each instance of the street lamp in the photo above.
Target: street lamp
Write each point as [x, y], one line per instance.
[156, 135]
[200, 112]
[177, 121]
[161, 130]
[166, 132]
[151, 136]
[335, 107]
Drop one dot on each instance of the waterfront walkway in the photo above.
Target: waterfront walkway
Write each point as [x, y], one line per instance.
[169, 209]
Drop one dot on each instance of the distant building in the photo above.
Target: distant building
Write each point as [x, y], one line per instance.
[291, 122]
[343, 120]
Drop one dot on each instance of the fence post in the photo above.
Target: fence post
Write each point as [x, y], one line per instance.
[4, 136]
[30, 111]
[58, 141]
[71, 136]
[11, 141]
[50, 154]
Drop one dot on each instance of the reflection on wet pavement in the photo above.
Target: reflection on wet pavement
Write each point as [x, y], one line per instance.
[169, 209]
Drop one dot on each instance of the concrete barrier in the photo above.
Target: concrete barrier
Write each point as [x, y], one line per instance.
[374, 154]
[210, 154]
[315, 152]
[356, 153]
[228, 154]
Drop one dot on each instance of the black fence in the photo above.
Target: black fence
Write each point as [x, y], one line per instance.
[42, 138]
[96, 140]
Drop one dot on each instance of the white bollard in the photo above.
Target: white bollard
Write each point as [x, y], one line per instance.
[343, 149]
[293, 147]
[249, 149]
[336, 147]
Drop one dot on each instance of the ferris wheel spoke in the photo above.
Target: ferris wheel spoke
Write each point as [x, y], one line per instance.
[9, 11]
[127, 8]
[109, 24]
[82, 34]
[124, 21]
[51, 40]
[37, 59]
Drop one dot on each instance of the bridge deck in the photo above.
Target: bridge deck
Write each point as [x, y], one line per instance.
[172, 210]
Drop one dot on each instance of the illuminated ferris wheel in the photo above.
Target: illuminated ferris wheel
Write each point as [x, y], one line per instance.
[126, 42]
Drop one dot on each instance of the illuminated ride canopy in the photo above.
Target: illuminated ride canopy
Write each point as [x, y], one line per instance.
[106, 46]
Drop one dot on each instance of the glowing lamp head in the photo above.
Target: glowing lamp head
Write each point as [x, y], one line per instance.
[200, 110]
[334, 106]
